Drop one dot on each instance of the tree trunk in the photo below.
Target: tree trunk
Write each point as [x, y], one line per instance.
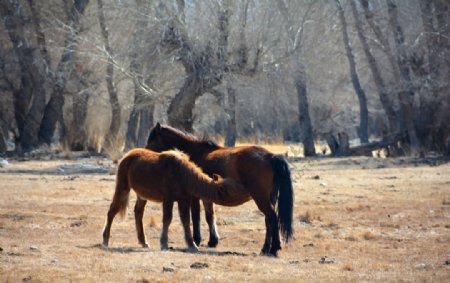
[304, 118]
[344, 145]
[380, 37]
[376, 74]
[54, 109]
[112, 135]
[3, 147]
[332, 143]
[230, 109]
[141, 117]
[180, 109]
[363, 111]
[145, 124]
[406, 93]
[136, 68]
[434, 70]
[399, 40]
[77, 132]
[201, 75]
[29, 137]
[131, 135]
[22, 97]
[140, 123]
[33, 72]
[447, 152]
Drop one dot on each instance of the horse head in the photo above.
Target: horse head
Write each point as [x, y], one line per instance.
[163, 137]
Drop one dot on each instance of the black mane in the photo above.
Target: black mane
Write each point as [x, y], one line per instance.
[183, 135]
[178, 132]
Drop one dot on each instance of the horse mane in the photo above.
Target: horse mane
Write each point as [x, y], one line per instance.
[186, 136]
[175, 153]
[181, 165]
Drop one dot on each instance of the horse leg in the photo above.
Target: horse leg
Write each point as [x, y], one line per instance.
[276, 243]
[195, 213]
[167, 218]
[183, 209]
[211, 220]
[118, 204]
[269, 230]
[272, 242]
[273, 220]
[113, 210]
[139, 208]
[267, 241]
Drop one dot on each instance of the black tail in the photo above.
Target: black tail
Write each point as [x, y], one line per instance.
[283, 185]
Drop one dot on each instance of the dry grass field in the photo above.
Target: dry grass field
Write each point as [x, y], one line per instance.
[356, 219]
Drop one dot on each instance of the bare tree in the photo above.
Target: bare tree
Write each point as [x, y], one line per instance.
[224, 67]
[230, 109]
[406, 93]
[141, 117]
[385, 99]
[54, 109]
[33, 87]
[432, 66]
[111, 136]
[205, 68]
[295, 37]
[363, 111]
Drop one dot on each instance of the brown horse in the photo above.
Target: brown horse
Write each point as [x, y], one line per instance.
[165, 177]
[265, 176]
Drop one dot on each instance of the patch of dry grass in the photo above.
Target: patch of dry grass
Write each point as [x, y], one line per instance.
[368, 236]
[306, 218]
[347, 267]
[50, 230]
[153, 222]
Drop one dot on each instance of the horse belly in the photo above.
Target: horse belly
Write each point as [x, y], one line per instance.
[150, 195]
[148, 190]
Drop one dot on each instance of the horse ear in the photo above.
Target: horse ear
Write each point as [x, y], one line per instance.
[158, 126]
[216, 177]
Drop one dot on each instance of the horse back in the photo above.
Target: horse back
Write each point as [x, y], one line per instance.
[250, 165]
[149, 174]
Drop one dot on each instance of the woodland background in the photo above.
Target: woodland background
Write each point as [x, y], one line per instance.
[97, 74]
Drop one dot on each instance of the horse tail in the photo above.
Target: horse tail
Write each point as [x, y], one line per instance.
[122, 192]
[282, 184]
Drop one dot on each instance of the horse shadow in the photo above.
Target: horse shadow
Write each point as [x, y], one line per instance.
[122, 250]
[207, 252]
[171, 249]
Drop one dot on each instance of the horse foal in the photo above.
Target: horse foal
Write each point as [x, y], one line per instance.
[165, 177]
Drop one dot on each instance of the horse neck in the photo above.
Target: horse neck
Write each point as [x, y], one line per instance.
[195, 149]
[198, 183]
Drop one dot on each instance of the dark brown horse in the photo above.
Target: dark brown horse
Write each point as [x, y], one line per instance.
[265, 176]
[165, 177]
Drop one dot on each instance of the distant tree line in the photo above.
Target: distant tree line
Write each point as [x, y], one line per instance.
[97, 74]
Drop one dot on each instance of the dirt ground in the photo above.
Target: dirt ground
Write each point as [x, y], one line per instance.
[356, 219]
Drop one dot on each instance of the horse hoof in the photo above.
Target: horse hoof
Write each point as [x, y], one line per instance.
[268, 253]
[105, 245]
[197, 240]
[213, 243]
[145, 245]
[165, 247]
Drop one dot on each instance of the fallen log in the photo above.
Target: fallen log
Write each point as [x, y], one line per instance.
[385, 143]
